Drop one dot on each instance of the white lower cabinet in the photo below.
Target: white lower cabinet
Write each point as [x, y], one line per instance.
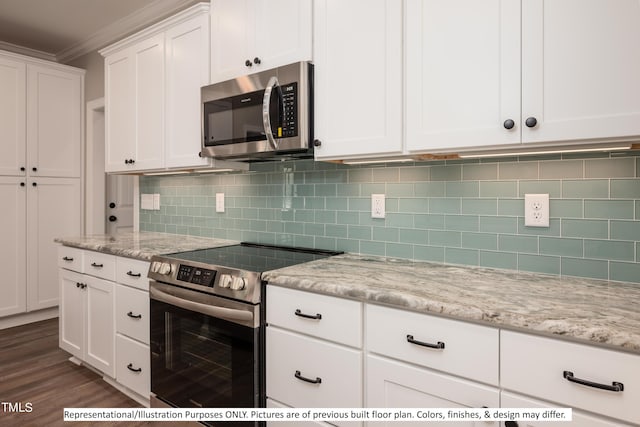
[86, 319]
[104, 315]
[393, 384]
[578, 419]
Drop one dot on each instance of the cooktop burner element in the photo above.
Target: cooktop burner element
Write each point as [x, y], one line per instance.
[230, 271]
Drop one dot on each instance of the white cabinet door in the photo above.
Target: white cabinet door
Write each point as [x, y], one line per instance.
[580, 69]
[72, 312]
[462, 73]
[119, 110]
[100, 333]
[187, 67]
[578, 419]
[148, 77]
[12, 117]
[391, 384]
[358, 78]
[248, 36]
[54, 210]
[13, 249]
[54, 128]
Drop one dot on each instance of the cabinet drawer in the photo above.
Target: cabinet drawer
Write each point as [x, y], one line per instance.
[132, 313]
[132, 365]
[331, 318]
[70, 258]
[132, 272]
[393, 384]
[337, 369]
[467, 350]
[536, 366]
[100, 265]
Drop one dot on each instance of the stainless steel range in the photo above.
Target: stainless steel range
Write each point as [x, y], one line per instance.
[207, 324]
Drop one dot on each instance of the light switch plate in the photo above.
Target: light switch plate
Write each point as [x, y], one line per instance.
[219, 202]
[146, 201]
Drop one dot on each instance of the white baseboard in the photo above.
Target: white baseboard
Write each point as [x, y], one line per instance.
[25, 318]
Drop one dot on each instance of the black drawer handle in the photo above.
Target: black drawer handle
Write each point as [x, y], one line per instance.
[307, 380]
[439, 345]
[93, 264]
[66, 258]
[134, 316]
[132, 369]
[132, 274]
[317, 316]
[615, 386]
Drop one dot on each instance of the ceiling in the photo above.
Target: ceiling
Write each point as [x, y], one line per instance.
[63, 30]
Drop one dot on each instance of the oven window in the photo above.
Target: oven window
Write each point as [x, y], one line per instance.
[201, 361]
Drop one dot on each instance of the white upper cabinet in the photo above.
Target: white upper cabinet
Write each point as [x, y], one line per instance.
[580, 69]
[152, 94]
[54, 128]
[248, 36]
[497, 73]
[12, 117]
[186, 46]
[462, 73]
[358, 78]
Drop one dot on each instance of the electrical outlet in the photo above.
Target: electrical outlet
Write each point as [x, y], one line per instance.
[536, 210]
[219, 202]
[377, 206]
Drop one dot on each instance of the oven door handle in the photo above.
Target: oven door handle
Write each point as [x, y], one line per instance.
[209, 310]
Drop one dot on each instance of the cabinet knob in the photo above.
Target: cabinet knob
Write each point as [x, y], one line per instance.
[510, 424]
[22, 184]
[112, 205]
[509, 124]
[129, 161]
[22, 169]
[113, 218]
[34, 169]
[256, 60]
[35, 184]
[531, 122]
[248, 63]
[317, 143]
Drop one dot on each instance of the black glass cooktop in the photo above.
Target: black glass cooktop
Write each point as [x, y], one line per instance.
[253, 257]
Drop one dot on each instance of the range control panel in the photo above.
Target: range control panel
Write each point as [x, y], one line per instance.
[196, 275]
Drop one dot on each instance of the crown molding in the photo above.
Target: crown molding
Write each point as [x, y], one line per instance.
[21, 50]
[123, 27]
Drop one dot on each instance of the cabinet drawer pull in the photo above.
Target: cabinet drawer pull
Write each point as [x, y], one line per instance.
[132, 274]
[132, 369]
[96, 265]
[439, 345]
[615, 386]
[66, 258]
[318, 380]
[134, 316]
[317, 316]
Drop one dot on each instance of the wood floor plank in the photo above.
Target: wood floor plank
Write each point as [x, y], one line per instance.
[34, 369]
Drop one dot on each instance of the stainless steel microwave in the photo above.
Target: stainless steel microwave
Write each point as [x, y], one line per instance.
[260, 116]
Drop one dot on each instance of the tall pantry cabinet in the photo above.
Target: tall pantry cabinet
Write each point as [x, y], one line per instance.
[41, 131]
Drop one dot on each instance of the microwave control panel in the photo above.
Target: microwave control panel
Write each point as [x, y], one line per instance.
[289, 120]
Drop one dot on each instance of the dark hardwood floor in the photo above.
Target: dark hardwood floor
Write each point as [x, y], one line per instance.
[34, 369]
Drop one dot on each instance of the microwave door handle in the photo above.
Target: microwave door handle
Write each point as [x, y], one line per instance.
[266, 117]
[209, 310]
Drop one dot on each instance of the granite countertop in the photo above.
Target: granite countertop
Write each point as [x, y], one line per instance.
[142, 245]
[585, 310]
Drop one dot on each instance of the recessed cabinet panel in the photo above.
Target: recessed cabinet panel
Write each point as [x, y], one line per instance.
[12, 117]
[462, 73]
[13, 289]
[231, 26]
[54, 129]
[579, 77]
[100, 343]
[72, 312]
[120, 107]
[358, 78]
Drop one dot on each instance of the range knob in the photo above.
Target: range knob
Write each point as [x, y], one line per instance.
[165, 268]
[225, 281]
[155, 266]
[238, 283]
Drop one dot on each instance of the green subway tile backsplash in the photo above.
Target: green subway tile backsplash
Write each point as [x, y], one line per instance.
[460, 212]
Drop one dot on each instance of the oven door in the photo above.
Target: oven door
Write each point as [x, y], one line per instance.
[205, 350]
